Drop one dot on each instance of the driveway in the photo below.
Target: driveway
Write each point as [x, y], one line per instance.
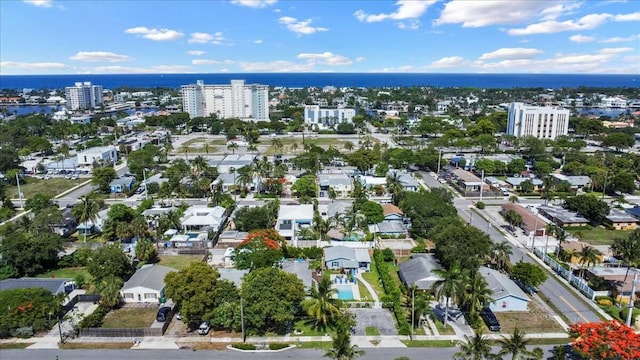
[380, 318]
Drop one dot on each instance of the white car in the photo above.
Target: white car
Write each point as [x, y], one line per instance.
[204, 328]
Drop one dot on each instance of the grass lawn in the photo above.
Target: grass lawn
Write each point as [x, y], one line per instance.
[51, 187]
[178, 262]
[70, 273]
[429, 343]
[536, 320]
[373, 278]
[600, 236]
[314, 345]
[130, 317]
[372, 331]
[9, 346]
[444, 330]
[96, 345]
[364, 292]
[203, 346]
[307, 330]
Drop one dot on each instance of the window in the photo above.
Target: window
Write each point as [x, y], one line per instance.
[335, 264]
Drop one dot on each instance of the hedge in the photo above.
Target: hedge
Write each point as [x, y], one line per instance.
[278, 346]
[244, 346]
[94, 320]
[393, 292]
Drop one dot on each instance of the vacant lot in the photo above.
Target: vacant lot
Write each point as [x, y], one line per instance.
[67, 273]
[536, 320]
[51, 187]
[130, 317]
[178, 262]
[599, 236]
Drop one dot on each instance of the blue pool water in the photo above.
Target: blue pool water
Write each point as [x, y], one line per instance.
[345, 293]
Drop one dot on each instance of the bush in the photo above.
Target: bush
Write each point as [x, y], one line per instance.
[605, 302]
[23, 332]
[278, 346]
[625, 312]
[480, 205]
[94, 320]
[244, 346]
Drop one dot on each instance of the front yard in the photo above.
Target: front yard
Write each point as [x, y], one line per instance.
[130, 317]
[179, 262]
[536, 320]
[599, 236]
[51, 187]
[68, 273]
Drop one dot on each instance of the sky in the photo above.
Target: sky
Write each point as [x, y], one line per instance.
[237, 36]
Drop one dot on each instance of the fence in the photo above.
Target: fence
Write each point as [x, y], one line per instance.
[575, 281]
[79, 298]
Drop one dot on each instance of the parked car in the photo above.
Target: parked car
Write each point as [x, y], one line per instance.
[490, 319]
[163, 314]
[204, 328]
[526, 288]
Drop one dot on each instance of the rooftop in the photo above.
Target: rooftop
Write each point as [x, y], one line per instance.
[419, 271]
[148, 276]
[501, 286]
[561, 214]
[618, 216]
[466, 176]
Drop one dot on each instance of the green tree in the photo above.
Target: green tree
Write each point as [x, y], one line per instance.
[627, 249]
[109, 290]
[588, 256]
[341, 347]
[271, 298]
[516, 166]
[529, 274]
[619, 141]
[321, 305]
[477, 347]
[372, 211]
[109, 260]
[526, 186]
[476, 294]
[86, 210]
[38, 202]
[248, 219]
[516, 345]
[500, 253]
[363, 159]
[146, 252]
[33, 308]
[588, 206]
[27, 252]
[450, 286]
[462, 244]
[305, 187]
[102, 177]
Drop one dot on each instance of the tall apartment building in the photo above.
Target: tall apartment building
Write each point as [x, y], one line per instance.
[83, 96]
[323, 117]
[543, 122]
[236, 100]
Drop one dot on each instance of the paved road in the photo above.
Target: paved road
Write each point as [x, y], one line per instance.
[299, 354]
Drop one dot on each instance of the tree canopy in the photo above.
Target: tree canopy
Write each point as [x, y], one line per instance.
[261, 248]
[588, 206]
[529, 274]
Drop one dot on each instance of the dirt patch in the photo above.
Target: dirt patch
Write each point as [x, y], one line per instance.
[536, 320]
[203, 346]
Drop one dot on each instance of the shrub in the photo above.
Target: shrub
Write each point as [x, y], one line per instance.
[23, 332]
[605, 302]
[625, 312]
[480, 205]
[278, 346]
[244, 346]
[94, 320]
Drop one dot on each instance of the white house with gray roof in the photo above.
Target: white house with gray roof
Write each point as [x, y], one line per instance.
[419, 271]
[341, 183]
[292, 218]
[55, 286]
[342, 257]
[146, 285]
[202, 217]
[576, 182]
[507, 296]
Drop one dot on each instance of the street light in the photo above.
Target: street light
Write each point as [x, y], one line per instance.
[535, 230]
[235, 195]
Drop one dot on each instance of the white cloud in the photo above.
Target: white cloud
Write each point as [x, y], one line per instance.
[399, 69]
[159, 69]
[203, 38]
[632, 58]
[617, 39]
[325, 58]
[258, 41]
[254, 3]
[409, 25]
[553, 12]
[300, 27]
[511, 54]
[586, 22]
[491, 12]
[581, 38]
[196, 52]
[39, 3]
[31, 66]
[360, 59]
[446, 62]
[407, 9]
[155, 34]
[99, 56]
[275, 66]
[619, 50]
[210, 62]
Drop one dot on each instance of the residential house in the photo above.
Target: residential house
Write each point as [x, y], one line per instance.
[186, 240]
[515, 183]
[341, 183]
[300, 268]
[507, 296]
[342, 257]
[157, 211]
[634, 211]
[419, 271]
[530, 222]
[231, 239]
[227, 180]
[621, 280]
[334, 208]
[468, 182]
[561, 216]
[54, 286]
[103, 155]
[575, 182]
[620, 220]
[233, 275]
[394, 223]
[146, 285]
[407, 181]
[574, 247]
[292, 218]
[203, 218]
[122, 185]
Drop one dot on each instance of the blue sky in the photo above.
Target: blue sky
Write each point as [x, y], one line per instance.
[446, 36]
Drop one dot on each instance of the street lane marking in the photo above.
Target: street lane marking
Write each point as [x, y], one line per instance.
[574, 309]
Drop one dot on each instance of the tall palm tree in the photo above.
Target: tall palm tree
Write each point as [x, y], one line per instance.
[477, 347]
[109, 290]
[588, 256]
[341, 348]
[551, 228]
[86, 210]
[476, 296]
[294, 147]
[140, 227]
[627, 249]
[233, 146]
[348, 146]
[513, 218]
[332, 194]
[561, 236]
[145, 251]
[395, 187]
[277, 145]
[516, 345]
[322, 305]
[501, 252]
[450, 286]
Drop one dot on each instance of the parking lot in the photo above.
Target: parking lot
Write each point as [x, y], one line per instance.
[380, 318]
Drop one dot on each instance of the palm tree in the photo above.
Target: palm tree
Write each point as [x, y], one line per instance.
[551, 228]
[514, 199]
[395, 187]
[145, 251]
[252, 148]
[477, 347]
[168, 220]
[588, 256]
[516, 345]
[348, 146]
[513, 218]
[139, 228]
[322, 305]
[86, 210]
[109, 290]
[332, 194]
[561, 236]
[450, 286]
[627, 249]
[216, 193]
[294, 147]
[476, 296]
[341, 348]
[232, 146]
[501, 252]
[277, 144]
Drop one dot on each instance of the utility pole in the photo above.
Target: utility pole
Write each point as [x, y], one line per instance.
[19, 192]
[439, 158]
[481, 184]
[633, 290]
[244, 336]
[146, 192]
[60, 330]
[413, 315]
[535, 230]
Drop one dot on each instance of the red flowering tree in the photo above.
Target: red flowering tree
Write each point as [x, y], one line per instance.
[261, 248]
[610, 340]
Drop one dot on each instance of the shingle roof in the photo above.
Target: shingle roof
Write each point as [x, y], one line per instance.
[148, 276]
[419, 271]
[233, 275]
[55, 286]
[343, 252]
[391, 209]
[501, 286]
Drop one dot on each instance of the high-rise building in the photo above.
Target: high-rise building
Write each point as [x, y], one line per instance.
[542, 122]
[236, 100]
[325, 117]
[83, 96]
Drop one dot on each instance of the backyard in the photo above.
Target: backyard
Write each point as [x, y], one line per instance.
[599, 236]
[67, 273]
[130, 317]
[179, 262]
[51, 187]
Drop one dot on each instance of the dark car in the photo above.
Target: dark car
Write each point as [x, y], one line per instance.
[490, 319]
[163, 314]
[526, 288]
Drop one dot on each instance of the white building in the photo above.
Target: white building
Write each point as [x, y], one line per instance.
[541, 122]
[104, 155]
[613, 102]
[83, 96]
[146, 285]
[323, 117]
[80, 119]
[236, 100]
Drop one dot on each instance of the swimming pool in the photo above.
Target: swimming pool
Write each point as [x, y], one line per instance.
[345, 292]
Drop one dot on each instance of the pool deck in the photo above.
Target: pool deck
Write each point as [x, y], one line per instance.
[354, 287]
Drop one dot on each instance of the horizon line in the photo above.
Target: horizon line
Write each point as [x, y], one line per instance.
[329, 73]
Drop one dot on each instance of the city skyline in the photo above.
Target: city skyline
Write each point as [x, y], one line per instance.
[238, 36]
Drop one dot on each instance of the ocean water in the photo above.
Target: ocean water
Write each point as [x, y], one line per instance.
[506, 81]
